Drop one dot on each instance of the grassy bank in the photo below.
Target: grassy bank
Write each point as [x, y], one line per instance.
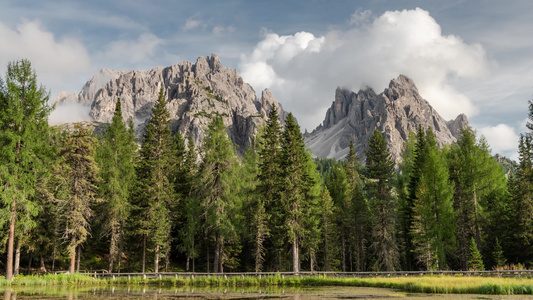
[51, 279]
[424, 284]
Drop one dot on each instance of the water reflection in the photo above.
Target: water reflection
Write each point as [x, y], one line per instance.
[142, 292]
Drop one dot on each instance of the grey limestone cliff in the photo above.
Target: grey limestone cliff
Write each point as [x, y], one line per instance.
[396, 111]
[195, 92]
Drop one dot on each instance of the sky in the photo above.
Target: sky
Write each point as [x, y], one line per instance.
[465, 56]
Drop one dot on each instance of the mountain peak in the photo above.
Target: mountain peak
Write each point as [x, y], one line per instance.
[396, 111]
[195, 92]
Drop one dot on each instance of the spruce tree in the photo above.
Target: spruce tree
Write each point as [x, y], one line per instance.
[191, 204]
[216, 184]
[293, 165]
[341, 193]
[155, 190]
[116, 158]
[380, 169]
[497, 254]
[268, 188]
[23, 134]
[475, 261]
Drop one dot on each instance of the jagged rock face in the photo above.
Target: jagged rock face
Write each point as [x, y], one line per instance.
[396, 111]
[194, 92]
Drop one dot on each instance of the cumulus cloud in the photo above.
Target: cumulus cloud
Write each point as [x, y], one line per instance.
[220, 30]
[303, 70]
[59, 63]
[502, 138]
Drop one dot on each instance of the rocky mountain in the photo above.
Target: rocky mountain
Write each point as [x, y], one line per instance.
[194, 92]
[396, 111]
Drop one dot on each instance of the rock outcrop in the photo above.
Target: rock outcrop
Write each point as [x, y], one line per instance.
[195, 92]
[396, 111]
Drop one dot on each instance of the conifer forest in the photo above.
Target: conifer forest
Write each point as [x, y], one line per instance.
[72, 200]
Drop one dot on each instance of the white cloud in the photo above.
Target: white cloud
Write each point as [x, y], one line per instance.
[360, 17]
[502, 138]
[303, 70]
[59, 63]
[70, 112]
[191, 23]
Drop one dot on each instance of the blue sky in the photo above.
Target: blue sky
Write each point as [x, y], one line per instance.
[471, 56]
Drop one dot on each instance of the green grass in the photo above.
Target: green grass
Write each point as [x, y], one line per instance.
[51, 279]
[423, 284]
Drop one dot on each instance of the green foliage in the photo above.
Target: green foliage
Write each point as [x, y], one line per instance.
[116, 160]
[379, 169]
[216, 182]
[155, 198]
[77, 178]
[432, 227]
[497, 254]
[475, 261]
[24, 146]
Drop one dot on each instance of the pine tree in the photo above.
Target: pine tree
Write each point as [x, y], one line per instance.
[23, 134]
[116, 157]
[475, 261]
[379, 169]
[155, 192]
[216, 183]
[77, 179]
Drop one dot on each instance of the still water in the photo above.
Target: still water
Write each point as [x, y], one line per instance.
[134, 293]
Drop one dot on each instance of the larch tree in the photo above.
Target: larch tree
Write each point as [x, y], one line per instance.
[432, 229]
[23, 134]
[116, 158]
[476, 176]
[380, 170]
[77, 191]
[155, 193]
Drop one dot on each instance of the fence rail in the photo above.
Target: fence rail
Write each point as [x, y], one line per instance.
[503, 273]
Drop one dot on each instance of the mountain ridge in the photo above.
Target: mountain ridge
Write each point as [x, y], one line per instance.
[194, 93]
[396, 111]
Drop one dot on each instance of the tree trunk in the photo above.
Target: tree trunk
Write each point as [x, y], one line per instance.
[72, 255]
[29, 262]
[54, 258]
[156, 259]
[79, 256]
[10, 242]
[295, 256]
[343, 256]
[42, 268]
[119, 255]
[17, 259]
[187, 264]
[217, 246]
[144, 253]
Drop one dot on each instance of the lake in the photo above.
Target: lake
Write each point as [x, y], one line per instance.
[140, 292]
